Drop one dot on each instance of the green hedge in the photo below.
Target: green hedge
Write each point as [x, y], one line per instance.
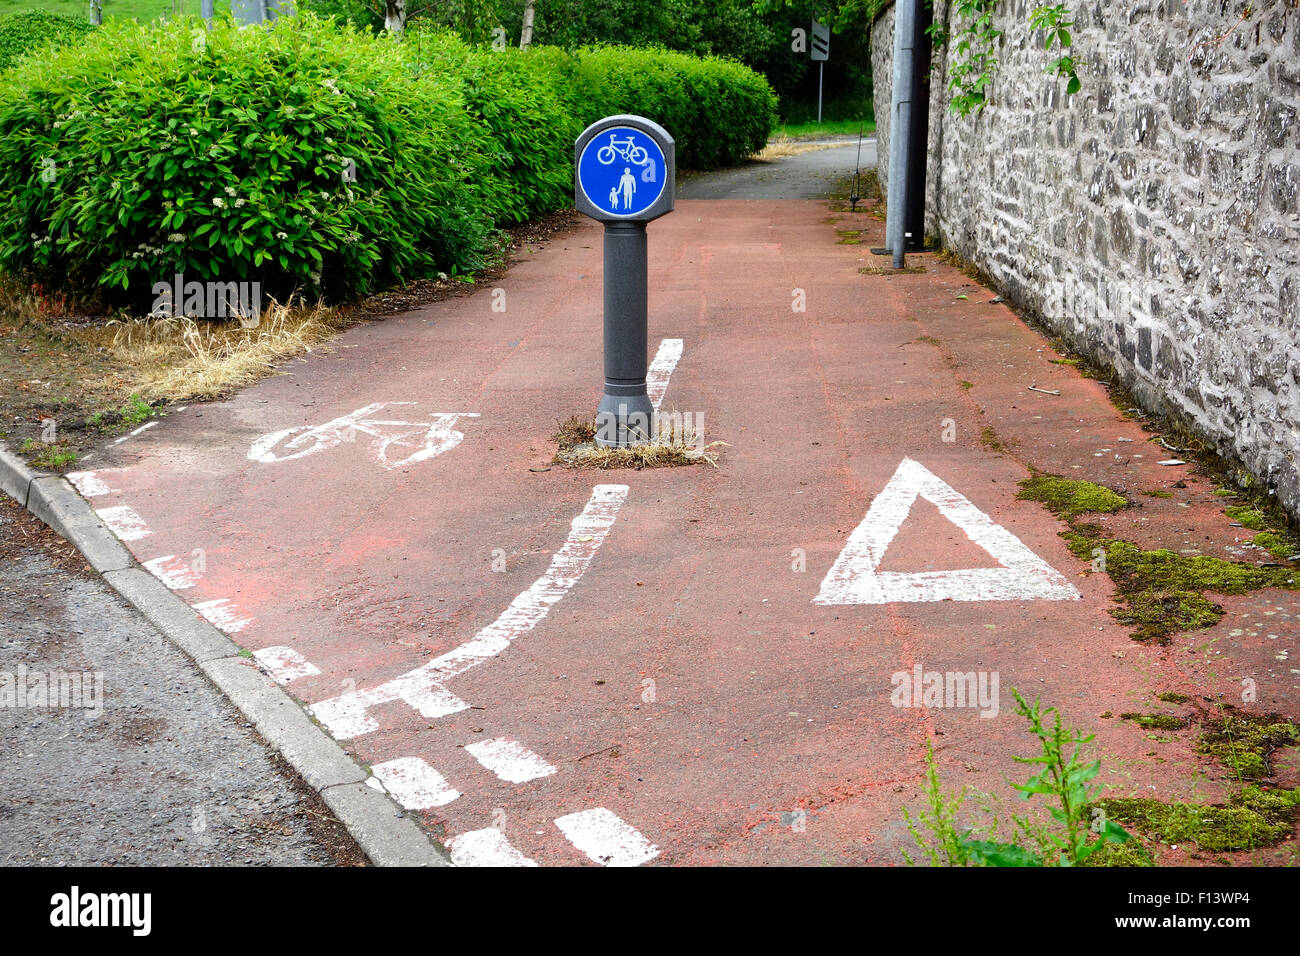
[718, 111]
[150, 150]
[36, 31]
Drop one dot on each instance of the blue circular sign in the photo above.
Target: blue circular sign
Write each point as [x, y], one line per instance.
[622, 171]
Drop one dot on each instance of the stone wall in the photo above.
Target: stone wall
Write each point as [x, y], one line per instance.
[1152, 219]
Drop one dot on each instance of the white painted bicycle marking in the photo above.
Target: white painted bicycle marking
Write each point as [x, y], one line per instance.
[855, 577]
[347, 716]
[423, 439]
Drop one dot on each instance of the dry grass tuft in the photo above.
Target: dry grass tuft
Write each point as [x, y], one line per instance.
[180, 358]
[574, 431]
[669, 449]
[780, 148]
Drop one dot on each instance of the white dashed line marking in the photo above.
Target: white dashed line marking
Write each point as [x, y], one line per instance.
[224, 615]
[510, 760]
[413, 783]
[661, 369]
[88, 484]
[485, 848]
[606, 839]
[284, 664]
[172, 571]
[142, 428]
[855, 578]
[346, 716]
[124, 522]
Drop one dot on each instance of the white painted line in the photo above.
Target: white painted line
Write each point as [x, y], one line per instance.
[87, 483]
[423, 689]
[173, 571]
[284, 664]
[510, 760]
[124, 522]
[413, 783]
[144, 427]
[661, 369]
[485, 848]
[606, 839]
[855, 578]
[224, 615]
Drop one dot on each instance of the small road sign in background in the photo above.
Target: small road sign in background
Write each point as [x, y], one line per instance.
[820, 52]
[821, 41]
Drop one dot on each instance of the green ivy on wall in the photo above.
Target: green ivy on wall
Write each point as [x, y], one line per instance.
[974, 45]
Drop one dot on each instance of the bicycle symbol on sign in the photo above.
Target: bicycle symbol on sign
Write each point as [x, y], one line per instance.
[424, 440]
[624, 148]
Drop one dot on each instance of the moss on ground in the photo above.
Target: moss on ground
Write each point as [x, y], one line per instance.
[1252, 818]
[1276, 544]
[1170, 697]
[1160, 592]
[1156, 721]
[1247, 516]
[990, 440]
[1245, 743]
[1067, 498]
[1132, 853]
[1265, 516]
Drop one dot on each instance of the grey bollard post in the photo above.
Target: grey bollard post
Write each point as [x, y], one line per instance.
[624, 176]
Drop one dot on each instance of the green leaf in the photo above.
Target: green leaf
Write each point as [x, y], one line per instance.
[988, 853]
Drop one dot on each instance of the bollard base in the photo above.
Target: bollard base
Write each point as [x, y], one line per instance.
[624, 420]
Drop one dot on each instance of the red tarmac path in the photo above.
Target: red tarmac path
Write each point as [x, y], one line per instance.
[682, 677]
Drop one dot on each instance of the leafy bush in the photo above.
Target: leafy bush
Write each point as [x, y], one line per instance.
[36, 31]
[718, 111]
[517, 97]
[227, 155]
[220, 155]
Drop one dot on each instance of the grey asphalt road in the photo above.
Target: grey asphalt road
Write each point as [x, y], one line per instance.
[169, 773]
[809, 175]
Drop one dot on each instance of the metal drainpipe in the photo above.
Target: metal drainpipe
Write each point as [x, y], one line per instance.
[900, 127]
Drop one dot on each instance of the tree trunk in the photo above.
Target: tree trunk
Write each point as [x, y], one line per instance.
[526, 34]
[395, 17]
[96, 13]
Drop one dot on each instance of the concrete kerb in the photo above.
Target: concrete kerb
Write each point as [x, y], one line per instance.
[15, 476]
[381, 828]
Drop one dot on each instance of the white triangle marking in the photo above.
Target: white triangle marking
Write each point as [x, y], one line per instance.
[855, 577]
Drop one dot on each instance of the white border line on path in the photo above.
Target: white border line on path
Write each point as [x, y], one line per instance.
[348, 716]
